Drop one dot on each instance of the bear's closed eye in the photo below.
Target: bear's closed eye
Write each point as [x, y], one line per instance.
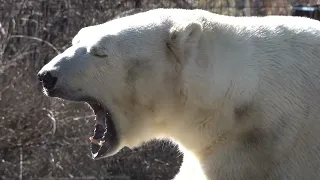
[99, 52]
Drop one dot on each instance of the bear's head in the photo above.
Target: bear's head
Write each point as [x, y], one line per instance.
[129, 71]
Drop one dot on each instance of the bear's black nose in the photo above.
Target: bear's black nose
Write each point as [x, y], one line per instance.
[48, 81]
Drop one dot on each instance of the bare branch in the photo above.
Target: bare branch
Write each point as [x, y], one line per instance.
[37, 39]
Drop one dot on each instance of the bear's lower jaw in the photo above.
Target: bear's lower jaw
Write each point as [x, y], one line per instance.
[105, 140]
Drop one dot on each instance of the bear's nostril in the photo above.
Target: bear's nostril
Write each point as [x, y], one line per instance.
[48, 81]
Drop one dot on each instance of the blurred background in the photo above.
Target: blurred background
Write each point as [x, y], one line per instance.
[42, 138]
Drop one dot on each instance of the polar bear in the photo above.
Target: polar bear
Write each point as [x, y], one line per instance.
[239, 95]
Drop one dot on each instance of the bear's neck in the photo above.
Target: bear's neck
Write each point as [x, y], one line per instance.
[215, 87]
[217, 73]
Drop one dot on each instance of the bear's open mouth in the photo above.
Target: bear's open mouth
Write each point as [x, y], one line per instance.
[104, 140]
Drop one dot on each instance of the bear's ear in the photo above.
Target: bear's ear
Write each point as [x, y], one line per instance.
[184, 39]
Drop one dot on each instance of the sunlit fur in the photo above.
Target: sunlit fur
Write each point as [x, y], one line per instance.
[240, 95]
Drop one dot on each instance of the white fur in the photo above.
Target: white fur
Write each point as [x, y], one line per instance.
[240, 95]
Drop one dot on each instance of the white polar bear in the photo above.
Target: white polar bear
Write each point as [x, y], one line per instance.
[240, 95]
